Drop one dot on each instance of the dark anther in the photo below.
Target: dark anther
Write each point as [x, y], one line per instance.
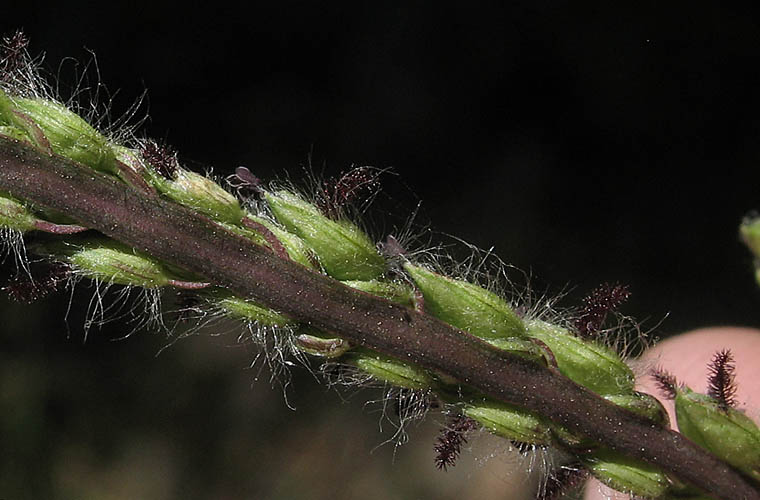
[244, 182]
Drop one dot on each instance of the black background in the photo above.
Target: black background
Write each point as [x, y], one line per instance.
[584, 142]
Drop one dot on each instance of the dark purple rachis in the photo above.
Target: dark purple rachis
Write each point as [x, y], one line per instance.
[722, 379]
[604, 299]
[450, 441]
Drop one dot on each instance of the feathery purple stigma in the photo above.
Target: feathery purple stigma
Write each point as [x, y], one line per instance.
[562, 481]
[350, 186]
[13, 55]
[161, 156]
[722, 379]
[450, 441]
[666, 383]
[602, 300]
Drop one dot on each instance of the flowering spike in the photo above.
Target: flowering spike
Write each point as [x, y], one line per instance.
[722, 383]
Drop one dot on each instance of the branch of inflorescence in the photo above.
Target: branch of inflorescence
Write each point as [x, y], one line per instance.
[191, 241]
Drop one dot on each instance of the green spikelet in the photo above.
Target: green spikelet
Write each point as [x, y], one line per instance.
[510, 422]
[316, 343]
[728, 433]
[345, 252]
[239, 308]
[15, 215]
[390, 370]
[67, 133]
[587, 363]
[395, 292]
[111, 262]
[200, 193]
[466, 306]
[627, 475]
[642, 404]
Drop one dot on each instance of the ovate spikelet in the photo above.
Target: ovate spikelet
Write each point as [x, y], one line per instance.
[248, 310]
[587, 363]
[114, 263]
[711, 421]
[390, 370]
[63, 131]
[728, 433]
[200, 193]
[15, 215]
[466, 306]
[642, 404]
[395, 292]
[510, 422]
[344, 250]
[316, 343]
[626, 474]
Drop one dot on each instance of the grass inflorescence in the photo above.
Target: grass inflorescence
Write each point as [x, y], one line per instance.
[319, 230]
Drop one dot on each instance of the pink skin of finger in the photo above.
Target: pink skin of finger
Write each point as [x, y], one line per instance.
[687, 357]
